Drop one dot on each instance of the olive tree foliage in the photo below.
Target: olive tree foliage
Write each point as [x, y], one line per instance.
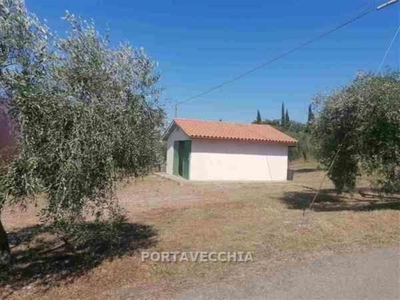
[22, 50]
[361, 124]
[84, 114]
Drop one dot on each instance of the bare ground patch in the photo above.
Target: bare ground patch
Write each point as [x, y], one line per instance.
[265, 219]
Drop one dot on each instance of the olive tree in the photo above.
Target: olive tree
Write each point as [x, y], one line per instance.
[359, 126]
[85, 114]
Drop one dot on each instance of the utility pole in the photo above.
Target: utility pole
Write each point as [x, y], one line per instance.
[176, 110]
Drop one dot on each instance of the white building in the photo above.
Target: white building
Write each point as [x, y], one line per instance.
[210, 150]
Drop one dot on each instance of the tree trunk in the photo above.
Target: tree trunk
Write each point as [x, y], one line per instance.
[305, 156]
[5, 255]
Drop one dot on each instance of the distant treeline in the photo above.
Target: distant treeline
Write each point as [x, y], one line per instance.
[297, 130]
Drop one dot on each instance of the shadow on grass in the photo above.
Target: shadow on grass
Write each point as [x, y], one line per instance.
[328, 200]
[306, 170]
[39, 261]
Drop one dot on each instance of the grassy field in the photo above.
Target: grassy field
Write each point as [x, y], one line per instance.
[264, 218]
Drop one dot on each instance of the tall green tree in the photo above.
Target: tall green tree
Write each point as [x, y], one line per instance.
[283, 117]
[258, 118]
[311, 116]
[84, 114]
[361, 123]
[287, 119]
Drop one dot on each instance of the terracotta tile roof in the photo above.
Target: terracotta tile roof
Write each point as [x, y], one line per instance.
[232, 131]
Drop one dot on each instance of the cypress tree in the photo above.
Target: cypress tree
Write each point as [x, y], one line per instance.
[287, 119]
[310, 114]
[258, 119]
[283, 118]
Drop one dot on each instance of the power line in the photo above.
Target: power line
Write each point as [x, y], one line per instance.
[347, 134]
[345, 137]
[388, 49]
[354, 120]
[284, 54]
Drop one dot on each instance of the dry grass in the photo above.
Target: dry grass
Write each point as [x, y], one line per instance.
[265, 219]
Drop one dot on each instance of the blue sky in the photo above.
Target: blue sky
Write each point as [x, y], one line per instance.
[199, 44]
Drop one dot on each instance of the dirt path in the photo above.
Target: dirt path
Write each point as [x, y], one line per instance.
[374, 275]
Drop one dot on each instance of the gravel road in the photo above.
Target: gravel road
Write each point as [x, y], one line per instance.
[374, 275]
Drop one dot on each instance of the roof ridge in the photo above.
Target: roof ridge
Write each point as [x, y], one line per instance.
[225, 122]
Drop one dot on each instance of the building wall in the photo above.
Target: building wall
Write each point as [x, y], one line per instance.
[238, 160]
[176, 135]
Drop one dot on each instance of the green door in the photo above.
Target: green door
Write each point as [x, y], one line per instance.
[181, 163]
[175, 169]
[186, 150]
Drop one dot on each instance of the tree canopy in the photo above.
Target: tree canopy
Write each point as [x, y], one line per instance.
[297, 130]
[84, 114]
[361, 124]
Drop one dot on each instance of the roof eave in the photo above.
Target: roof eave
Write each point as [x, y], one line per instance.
[168, 131]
